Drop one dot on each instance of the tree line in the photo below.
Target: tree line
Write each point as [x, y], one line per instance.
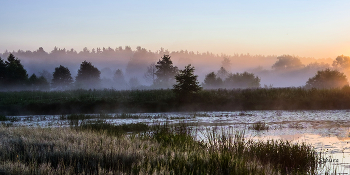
[134, 64]
[13, 76]
[162, 74]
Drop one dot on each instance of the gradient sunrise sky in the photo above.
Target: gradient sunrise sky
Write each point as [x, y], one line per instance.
[308, 28]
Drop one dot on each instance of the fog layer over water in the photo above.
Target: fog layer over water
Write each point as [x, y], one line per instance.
[273, 70]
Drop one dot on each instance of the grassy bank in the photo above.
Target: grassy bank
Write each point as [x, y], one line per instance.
[99, 148]
[110, 101]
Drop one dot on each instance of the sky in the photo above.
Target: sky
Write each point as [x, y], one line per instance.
[307, 28]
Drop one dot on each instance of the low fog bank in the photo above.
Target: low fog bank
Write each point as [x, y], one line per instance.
[125, 68]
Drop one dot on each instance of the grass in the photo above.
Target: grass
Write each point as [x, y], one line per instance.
[110, 129]
[259, 126]
[113, 101]
[93, 148]
[138, 116]
[106, 116]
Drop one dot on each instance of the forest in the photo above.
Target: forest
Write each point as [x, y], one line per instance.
[124, 69]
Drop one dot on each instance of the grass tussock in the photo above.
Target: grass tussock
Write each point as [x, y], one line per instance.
[92, 148]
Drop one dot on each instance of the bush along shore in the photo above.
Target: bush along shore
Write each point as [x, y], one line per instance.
[111, 101]
[98, 147]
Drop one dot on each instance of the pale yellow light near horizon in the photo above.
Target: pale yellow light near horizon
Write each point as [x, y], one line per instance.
[202, 46]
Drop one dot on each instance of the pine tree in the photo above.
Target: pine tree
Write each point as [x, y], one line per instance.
[15, 74]
[2, 72]
[62, 78]
[88, 76]
[187, 83]
[165, 72]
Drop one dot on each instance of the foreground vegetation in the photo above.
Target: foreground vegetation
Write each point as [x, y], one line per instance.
[110, 101]
[103, 148]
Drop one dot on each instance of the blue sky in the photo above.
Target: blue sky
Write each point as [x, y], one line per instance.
[312, 28]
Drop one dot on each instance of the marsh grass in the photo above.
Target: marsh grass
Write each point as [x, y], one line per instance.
[138, 116]
[118, 116]
[259, 126]
[87, 116]
[163, 149]
[113, 101]
[244, 114]
[111, 129]
[283, 156]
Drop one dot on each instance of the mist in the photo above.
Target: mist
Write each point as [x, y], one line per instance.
[131, 65]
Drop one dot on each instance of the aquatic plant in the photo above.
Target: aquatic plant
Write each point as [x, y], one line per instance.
[259, 126]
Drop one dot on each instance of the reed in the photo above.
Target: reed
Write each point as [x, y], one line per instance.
[113, 101]
[93, 148]
[111, 129]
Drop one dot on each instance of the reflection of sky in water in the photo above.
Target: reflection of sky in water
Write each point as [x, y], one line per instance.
[326, 130]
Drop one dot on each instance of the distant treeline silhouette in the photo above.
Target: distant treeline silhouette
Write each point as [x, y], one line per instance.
[124, 68]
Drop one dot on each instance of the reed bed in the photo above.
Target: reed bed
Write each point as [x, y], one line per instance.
[94, 148]
[113, 101]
